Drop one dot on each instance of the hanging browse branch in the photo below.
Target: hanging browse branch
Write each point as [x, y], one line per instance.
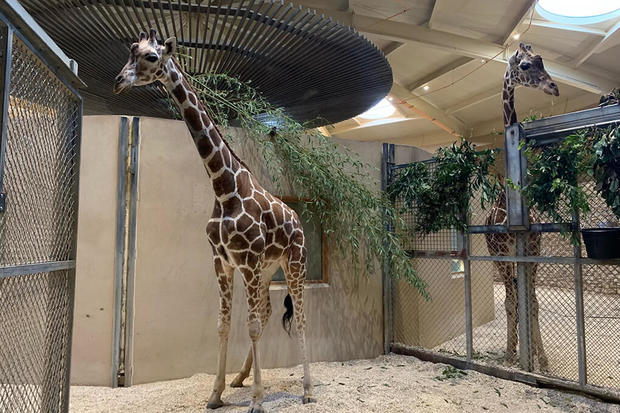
[332, 178]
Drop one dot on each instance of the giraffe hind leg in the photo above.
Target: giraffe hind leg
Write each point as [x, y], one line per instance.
[247, 365]
[295, 280]
[244, 373]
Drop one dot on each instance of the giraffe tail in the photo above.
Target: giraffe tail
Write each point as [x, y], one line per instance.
[287, 318]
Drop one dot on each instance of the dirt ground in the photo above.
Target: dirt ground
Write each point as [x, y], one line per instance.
[391, 383]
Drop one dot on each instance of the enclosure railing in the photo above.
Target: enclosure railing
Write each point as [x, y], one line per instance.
[566, 311]
[40, 120]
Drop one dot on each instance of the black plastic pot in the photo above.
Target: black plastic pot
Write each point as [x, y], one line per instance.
[602, 243]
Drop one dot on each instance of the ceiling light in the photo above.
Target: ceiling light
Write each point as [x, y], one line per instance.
[516, 36]
[483, 60]
[426, 87]
[381, 110]
[578, 11]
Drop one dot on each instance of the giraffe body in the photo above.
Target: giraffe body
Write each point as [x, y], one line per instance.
[250, 229]
[526, 69]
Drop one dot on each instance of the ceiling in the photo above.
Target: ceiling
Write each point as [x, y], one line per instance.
[458, 50]
[269, 44]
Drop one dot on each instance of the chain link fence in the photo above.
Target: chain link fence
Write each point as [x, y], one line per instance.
[39, 164]
[474, 312]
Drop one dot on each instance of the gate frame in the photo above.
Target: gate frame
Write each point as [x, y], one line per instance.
[541, 132]
[15, 21]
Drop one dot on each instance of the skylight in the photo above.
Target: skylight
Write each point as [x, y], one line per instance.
[578, 11]
[381, 110]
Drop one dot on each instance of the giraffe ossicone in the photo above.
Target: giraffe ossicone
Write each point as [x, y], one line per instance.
[527, 69]
[250, 229]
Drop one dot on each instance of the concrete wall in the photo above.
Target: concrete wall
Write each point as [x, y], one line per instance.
[94, 298]
[176, 298]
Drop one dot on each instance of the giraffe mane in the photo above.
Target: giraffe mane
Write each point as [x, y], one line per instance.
[233, 153]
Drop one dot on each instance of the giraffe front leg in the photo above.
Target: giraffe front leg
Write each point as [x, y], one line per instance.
[252, 287]
[225, 282]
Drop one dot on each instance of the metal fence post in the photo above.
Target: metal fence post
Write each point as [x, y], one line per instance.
[518, 220]
[468, 304]
[6, 46]
[388, 322]
[581, 336]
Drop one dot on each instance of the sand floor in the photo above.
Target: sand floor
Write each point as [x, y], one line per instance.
[391, 383]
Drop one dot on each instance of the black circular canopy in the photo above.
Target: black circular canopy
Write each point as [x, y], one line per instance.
[307, 63]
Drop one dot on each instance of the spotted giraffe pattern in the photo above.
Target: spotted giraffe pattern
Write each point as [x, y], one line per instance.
[250, 229]
[526, 69]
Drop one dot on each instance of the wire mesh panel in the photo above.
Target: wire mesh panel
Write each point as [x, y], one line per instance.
[40, 170]
[35, 322]
[602, 324]
[37, 231]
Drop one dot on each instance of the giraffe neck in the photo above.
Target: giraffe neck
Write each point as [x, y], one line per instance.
[221, 163]
[508, 100]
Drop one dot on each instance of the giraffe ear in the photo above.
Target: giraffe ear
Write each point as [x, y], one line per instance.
[170, 47]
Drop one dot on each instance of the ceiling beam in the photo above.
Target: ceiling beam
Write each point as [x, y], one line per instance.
[419, 107]
[612, 37]
[516, 23]
[583, 78]
[476, 99]
[391, 47]
[433, 17]
[455, 64]
[567, 27]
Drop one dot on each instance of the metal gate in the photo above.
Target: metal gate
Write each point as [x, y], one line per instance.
[468, 321]
[39, 168]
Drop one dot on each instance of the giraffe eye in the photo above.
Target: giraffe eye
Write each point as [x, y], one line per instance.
[153, 57]
[524, 65]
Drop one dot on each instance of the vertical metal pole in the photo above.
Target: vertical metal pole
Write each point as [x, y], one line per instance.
[518, 220]
[469, 346]
[76, 186]
[516, 172]
[6, 51]
[119, 253]
[581, 336]
[131, 249]
[523, 293]
[388, 322]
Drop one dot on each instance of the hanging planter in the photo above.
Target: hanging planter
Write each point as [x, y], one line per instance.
[602, 243]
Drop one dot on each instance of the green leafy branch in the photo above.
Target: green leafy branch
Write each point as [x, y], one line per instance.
[441, 198]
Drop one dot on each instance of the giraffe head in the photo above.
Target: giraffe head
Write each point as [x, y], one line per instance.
[147, 62]
[527, 69]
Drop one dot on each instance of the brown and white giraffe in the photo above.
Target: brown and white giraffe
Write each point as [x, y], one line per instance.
[526, 69]
[250, 229]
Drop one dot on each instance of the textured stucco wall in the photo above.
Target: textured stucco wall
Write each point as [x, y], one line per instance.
[176, 297]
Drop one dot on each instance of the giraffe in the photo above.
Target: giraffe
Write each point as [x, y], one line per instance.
[249, 230]
[527, 69]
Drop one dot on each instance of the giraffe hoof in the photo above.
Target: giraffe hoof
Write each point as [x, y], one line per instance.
[256, 409]
[237, 382]
[309, 399]
[212, 405]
